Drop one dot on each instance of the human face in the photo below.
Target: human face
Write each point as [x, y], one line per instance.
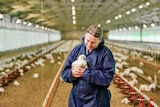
[91, 42]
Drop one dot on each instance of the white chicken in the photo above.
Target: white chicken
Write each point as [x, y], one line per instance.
[16, 83]
[35, 75]
[1, 90]
[152, 86]
[21, 72]
[80, 62]
[125, 101]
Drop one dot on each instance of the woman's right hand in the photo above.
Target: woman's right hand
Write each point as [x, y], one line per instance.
[77, 72]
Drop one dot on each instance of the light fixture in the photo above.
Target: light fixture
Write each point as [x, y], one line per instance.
[133, 10]
[73, 7]
[116, 17]
[153, 25]
[99, 25]
[42, 27]
[128, 12]
[29, 24]
[120, 16]
[140, 6]
[120, 29]
[129, 28]
[72, 0]
[73, 12]
[147, 3]
[108, 21]
[1, 16]
[37, 26]
[124, 28]
[24, 23]
[144, 26]
[18, 21]
[136, 27]
[73, 17]
[74, 22]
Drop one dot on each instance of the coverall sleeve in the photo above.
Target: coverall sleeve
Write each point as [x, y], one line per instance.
[103, 76]
[66, 72]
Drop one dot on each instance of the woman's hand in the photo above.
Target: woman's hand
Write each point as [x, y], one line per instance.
[77, 72]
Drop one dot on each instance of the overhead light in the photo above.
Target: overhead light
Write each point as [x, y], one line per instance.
[133, 10]
[108, 21]
[29, 24]
[1, 16]
[73, 7]
[116, 17]
[153, 25]
[73, 12]
[124, 28]
[74, 22]
[144, 26]
[120, 16]
[42, 27]
[147, 3]
[72, 0]
[73, 17]
[140, 6]
[37, 26]
[99, 25]
[18, 21]
[129, 28]
[24, 23]
[128, 12]
[82, 28]
[136, 27]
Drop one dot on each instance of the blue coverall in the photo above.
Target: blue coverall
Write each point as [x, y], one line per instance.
[91, 89]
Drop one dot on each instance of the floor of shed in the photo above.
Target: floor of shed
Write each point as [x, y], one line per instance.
[62, 93]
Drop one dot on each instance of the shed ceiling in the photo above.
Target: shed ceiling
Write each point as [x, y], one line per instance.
[57, 14]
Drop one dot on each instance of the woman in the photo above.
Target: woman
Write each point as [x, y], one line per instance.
[90, 83]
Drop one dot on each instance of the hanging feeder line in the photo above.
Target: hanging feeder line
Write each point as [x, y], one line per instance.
[139, 92]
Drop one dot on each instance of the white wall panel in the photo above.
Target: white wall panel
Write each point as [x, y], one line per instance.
[151, 34]
[148, 35]
[128, 35]
[14, 39]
